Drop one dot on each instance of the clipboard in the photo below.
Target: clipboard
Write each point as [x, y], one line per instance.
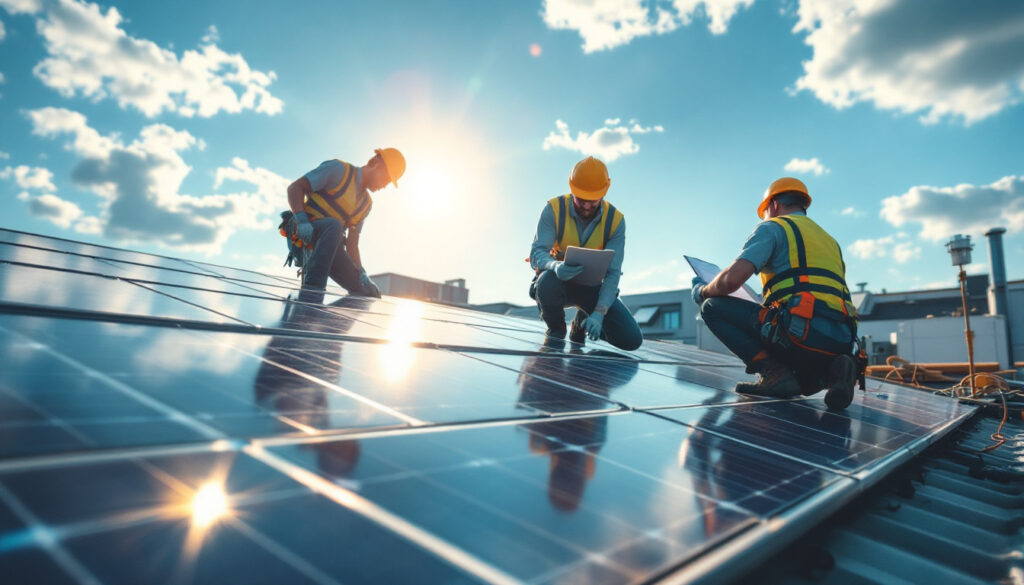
[595, 264]
[707, 272]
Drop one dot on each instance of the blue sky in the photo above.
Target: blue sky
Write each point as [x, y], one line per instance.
[175, 127]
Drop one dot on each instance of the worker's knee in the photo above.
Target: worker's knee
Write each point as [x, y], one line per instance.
[631, 340]
[550, 290]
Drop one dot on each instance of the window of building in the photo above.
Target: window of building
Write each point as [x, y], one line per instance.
[671, 317]
[645, 315]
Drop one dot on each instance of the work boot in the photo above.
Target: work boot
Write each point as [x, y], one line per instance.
[554, 340]
[842, 374]
[577, 334]
[777, 381]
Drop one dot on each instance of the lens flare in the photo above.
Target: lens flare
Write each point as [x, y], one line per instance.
[209, 505]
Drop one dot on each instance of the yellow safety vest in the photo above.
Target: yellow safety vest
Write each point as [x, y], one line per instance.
[344, 201]
[567, 235]
[816, 266]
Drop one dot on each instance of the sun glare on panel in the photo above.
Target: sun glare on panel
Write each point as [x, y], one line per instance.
[397, 355]
[209, 505]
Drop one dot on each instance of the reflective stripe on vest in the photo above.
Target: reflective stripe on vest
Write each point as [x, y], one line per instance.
[567, 235]
[344, 201]
[816, 266]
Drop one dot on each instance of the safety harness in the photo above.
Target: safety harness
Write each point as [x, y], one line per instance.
[804, 303]
[567, 235]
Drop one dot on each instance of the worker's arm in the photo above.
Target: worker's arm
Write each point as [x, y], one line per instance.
[297, 192]
[540, 253]
[730, 279]
[610, 286]
[352, 244]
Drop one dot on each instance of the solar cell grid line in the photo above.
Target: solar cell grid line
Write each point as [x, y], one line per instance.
[102, 532]
[65, 561]
[500, 476]
[623, 381]
[829, 442]
[181, 370]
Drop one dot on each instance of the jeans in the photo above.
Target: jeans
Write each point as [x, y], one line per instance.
[553, 296]
[329, 258]
[736, 324]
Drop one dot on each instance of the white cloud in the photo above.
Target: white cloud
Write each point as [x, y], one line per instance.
[139, 186]
[944, 211]
[26, 177]
[21, 6]
[898, 247]
[3, 33]
[852, 211]
[936, 57]
[607, 143]
[606, 24]
[61, 212]
[91, 55]
[4, 155]
[806, 166]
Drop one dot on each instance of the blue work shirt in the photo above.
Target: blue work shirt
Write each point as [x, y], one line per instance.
[329, 174]
[767, 247]
[540, 253]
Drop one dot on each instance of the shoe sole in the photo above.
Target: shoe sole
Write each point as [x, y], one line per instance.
[841, 381]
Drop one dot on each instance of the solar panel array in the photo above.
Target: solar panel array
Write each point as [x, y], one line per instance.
[164, 420]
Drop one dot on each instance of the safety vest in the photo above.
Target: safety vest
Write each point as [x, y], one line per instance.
[567, 235]
[816, 266]
[344, 201]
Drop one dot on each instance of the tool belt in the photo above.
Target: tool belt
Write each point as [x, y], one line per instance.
[803, 322]
[297, 249]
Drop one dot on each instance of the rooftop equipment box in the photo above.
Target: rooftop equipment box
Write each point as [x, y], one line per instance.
[941, 339]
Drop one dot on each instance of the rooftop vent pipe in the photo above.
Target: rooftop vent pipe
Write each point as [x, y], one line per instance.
[998, 290]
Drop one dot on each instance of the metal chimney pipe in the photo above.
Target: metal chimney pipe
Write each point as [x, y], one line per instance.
[999, 292]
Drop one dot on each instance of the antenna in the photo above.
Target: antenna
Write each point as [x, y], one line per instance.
[960, 250]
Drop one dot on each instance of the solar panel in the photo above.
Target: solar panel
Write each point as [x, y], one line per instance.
[163, 419]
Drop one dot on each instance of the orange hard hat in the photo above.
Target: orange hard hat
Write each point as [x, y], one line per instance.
[589, 179]
[394, 162]
[780, 186]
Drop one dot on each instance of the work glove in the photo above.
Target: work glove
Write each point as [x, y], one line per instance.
[698, 290]
[369, 287]
[303, 229]
[567, 271]
[593, 325]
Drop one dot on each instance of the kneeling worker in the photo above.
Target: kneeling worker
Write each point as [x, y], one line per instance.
[329, 205]
[801, 339]
[583, 219]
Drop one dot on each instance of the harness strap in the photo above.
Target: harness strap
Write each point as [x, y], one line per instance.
[608, 221]
[562, 212]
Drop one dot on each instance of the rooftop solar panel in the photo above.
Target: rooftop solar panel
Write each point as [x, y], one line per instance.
[163, 419]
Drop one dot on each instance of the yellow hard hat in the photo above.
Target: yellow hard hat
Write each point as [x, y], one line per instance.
[589, 179]
[780, 186]
[394, 162]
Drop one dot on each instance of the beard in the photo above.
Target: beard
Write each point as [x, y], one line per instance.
[583, 213]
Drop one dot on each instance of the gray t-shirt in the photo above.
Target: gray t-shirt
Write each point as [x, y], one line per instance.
[767, 248]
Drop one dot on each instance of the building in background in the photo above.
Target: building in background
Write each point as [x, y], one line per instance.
[450, 292]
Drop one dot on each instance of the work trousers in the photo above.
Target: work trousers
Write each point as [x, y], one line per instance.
[329, 258]
[735, 323]
[553, 296]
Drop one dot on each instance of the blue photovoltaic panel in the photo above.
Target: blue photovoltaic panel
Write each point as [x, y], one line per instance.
[359, 440]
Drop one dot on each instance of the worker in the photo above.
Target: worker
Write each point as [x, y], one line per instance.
[585, 219]
[800, 340]
[329, 205]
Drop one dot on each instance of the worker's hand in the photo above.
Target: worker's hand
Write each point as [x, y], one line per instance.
[303, 229]
[567, 271]
[698, 290]
[593, 325]
[368, 286]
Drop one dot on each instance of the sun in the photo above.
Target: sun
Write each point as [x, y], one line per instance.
[430, 185]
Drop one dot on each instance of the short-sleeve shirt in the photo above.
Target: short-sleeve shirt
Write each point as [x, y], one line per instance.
[767, 248]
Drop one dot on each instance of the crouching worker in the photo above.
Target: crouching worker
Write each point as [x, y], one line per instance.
[583, 219]
[329, 205]
[801, 338]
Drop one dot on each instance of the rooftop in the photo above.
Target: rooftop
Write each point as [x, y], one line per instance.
[165, 418]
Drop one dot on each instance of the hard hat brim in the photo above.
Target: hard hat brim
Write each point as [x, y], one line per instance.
[589, 195]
